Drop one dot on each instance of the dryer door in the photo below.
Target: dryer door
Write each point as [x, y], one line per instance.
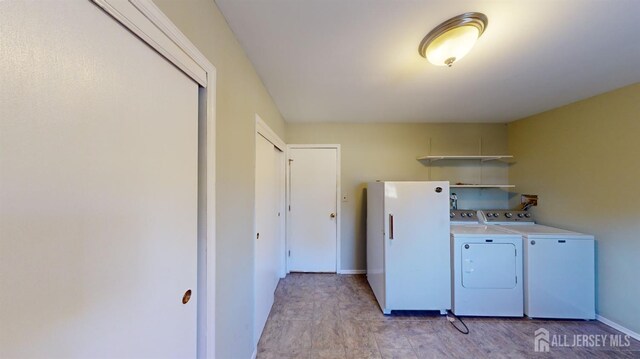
[488, 265]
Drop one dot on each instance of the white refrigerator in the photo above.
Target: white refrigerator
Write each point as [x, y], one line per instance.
[408, 260]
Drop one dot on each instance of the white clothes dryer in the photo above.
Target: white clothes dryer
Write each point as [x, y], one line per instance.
[486, 271]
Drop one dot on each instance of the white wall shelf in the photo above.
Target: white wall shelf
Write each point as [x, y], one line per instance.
[429, 159]
[483, 158]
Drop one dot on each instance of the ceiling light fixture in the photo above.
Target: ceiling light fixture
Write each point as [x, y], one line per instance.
[453, 39]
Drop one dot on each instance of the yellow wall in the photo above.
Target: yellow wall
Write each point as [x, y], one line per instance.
[240, 95]
[583, 161]
[386, 151]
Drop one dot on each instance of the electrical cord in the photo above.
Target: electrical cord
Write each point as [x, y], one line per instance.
[452, 318]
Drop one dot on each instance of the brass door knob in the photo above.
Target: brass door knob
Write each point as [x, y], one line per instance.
[186, 297]
[332, 215]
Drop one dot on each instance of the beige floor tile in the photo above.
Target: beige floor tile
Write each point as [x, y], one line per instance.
[327, 354]
[358, 334]
[362, 354]
[286, 335]
[361, 311]
[406, 353]
[432, 353]
[391, 339]
[326, 310]
[327, 334]
[426, 342]
[418, 327]
[293, 310]
[274, 354]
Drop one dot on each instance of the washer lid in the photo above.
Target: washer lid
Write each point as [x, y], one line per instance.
[479, 230]
[540, 231]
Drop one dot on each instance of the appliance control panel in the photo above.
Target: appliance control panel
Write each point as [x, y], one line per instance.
[502, 215]
[463, 215]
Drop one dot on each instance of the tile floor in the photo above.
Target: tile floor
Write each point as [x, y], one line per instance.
[337, 316]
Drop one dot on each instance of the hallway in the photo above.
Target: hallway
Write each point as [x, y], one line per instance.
[337, 316]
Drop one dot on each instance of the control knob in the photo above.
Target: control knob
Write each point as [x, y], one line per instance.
[528, 215]
[508, 215]
[495, 214]
[451, 215]
[520, 215]
[463, 214]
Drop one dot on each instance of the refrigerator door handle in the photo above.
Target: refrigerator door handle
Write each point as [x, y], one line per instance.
[390, 226]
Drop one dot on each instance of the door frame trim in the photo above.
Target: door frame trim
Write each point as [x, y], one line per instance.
[338, 197]
[271, 136]
[144, 19]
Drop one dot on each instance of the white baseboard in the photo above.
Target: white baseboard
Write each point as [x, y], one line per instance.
[255, 353]
[619, 327]
[352, 271]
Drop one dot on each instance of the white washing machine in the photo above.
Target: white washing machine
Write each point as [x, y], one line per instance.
[486, 271]
[559, 267]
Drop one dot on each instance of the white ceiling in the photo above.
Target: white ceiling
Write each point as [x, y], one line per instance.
[357, 60]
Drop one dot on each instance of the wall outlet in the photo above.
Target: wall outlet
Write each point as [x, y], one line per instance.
[345, 198]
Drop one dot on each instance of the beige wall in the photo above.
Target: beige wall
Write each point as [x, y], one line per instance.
[373, 152]
[582, 160]
[240, 95]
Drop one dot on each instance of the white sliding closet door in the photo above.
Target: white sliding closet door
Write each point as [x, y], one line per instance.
[268, 248]
[98, 189]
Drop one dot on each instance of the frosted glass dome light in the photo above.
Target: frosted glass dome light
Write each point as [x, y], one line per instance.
[453, 39]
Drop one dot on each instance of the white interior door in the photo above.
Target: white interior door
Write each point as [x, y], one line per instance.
[313, 186]
[268, 248]
[98, 189]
